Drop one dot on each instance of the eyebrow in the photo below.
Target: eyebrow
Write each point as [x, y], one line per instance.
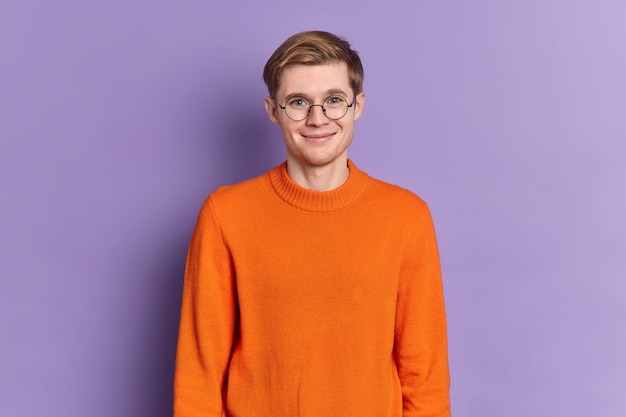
[327, 93]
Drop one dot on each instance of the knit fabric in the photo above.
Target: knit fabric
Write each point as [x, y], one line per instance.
[300, 303]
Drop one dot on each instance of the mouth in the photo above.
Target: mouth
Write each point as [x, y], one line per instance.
[318, 137]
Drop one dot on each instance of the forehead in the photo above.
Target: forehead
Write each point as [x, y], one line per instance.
[314, 80]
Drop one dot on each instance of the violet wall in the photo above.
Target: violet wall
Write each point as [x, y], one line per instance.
[117, 118]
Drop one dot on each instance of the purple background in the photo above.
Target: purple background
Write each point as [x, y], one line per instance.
[117, 118]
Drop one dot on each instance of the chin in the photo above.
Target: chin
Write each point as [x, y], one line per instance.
[319, 160]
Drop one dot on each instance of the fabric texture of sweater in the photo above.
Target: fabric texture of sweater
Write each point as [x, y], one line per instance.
[300, 303]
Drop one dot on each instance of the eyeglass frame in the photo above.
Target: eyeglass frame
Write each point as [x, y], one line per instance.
[349, 106]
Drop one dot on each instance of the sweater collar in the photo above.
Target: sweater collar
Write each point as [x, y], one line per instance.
[319, 201]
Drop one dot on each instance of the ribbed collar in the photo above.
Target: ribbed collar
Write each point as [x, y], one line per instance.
[320, 201]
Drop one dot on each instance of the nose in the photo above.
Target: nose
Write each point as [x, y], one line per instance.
[316, 116]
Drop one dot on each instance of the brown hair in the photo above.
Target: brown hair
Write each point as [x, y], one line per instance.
[313, 48]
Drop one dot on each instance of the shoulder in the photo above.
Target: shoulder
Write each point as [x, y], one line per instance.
[236, 200]
[395, 197]
[239, 192]
[401, 210]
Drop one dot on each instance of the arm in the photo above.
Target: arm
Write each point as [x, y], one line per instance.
[420, 334]
[207, 322]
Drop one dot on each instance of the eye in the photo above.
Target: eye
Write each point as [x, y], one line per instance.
[298, 102]
[334, 100]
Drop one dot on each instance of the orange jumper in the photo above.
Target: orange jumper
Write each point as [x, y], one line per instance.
[299, 303]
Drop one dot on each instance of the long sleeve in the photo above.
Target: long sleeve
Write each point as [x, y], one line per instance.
[303, 303]
[420, 334]
[207, 323]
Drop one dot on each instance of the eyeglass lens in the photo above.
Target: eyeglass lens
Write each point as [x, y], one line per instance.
[334, 107]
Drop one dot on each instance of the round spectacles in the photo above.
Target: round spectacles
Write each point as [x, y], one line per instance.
[298, 108]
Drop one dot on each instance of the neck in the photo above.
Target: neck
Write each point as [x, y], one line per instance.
[319, 178]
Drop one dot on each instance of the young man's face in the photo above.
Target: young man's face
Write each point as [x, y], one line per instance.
[317, 140]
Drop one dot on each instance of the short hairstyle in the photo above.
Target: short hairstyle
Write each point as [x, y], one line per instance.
[313, 48]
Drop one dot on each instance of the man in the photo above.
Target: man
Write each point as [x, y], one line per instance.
[313, 290]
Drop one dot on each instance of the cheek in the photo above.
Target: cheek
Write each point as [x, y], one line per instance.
[347, 127]
[288, 129]
[287, 133]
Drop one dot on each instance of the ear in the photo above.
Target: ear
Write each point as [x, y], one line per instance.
[272, 109]
[359, 104]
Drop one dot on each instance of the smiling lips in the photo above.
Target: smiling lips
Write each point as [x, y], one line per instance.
[318, 137]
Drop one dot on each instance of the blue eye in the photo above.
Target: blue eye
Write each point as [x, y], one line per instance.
[298, 102]
[335, 100]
